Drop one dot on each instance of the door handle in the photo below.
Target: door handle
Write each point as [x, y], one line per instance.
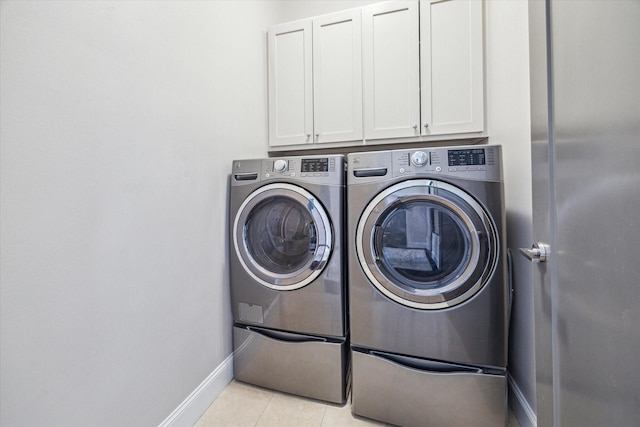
[539, 252]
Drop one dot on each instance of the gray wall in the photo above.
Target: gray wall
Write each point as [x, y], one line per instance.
[119, 121]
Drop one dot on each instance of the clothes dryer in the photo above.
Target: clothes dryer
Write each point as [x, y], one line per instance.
[287, 275]
[428, 288]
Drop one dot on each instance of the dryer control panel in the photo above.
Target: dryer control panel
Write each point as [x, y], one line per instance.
[471, 162]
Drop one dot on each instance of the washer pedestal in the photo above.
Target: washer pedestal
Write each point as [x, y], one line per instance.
[306, 365]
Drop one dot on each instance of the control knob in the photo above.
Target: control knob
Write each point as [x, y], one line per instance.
[280, 165]
[419, 158]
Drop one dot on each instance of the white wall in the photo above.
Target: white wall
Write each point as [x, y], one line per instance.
[119, 122]
[292, 10]
[507, 79]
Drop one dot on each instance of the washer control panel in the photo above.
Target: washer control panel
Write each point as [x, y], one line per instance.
[321, 169]
[299, 167]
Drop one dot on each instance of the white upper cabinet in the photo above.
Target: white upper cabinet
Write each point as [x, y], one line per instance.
[337, 77]
[451, 62]
[290, 84]
[396, 71]
[390, 55]
[315, 80]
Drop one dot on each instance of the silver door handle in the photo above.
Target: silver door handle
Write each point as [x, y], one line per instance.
[539, 252]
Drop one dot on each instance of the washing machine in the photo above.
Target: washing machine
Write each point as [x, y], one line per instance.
[428, 288]
[287, 275]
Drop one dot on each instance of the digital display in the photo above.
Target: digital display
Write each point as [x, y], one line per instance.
[472, 157]
[315, 165]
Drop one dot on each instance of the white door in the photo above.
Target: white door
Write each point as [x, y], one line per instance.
[451, 61]
[390, 53]
[586, 205]
[337, 77]
[290, 84]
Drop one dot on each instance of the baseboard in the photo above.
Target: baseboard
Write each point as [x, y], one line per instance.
[524, 413]
[190, 410]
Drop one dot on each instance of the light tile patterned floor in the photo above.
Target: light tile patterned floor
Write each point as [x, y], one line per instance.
[241, 405]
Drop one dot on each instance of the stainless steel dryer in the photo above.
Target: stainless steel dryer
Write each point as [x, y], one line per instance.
[286, 275]
[428, 289]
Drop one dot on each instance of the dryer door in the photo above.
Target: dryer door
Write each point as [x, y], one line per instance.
[426, 244]
[282, 236]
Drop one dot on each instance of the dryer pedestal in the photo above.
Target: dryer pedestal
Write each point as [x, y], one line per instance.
[426, 393]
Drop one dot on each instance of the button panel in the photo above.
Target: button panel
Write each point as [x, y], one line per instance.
[314, 168]
[472, 162]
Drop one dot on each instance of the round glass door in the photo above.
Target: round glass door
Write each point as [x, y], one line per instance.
[282, 236]
[426, 244]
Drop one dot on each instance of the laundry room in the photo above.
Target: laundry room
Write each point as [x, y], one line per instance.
[144, 158]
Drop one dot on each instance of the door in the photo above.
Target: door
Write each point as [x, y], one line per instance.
[426, 244]
[586, 198]
[451, 66]
[290, 84]
[337, 77]
[282, 236]
[391, 64]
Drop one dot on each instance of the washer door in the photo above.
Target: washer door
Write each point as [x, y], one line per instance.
[282, 236]
[426, 244]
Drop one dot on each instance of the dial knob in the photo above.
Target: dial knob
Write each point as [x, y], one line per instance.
[419, 158]
[280, 165]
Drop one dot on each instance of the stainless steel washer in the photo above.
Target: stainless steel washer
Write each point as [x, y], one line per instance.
[428, 288]
[287, 275]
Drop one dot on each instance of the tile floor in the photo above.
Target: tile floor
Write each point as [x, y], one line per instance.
[242, 404]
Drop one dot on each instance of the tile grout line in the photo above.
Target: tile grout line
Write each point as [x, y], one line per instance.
[265, 409]
[324, 413]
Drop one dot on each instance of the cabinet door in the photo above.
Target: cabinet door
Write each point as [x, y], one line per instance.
[452, 66]
[390, 52]
[337, 77]
[290, 84]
